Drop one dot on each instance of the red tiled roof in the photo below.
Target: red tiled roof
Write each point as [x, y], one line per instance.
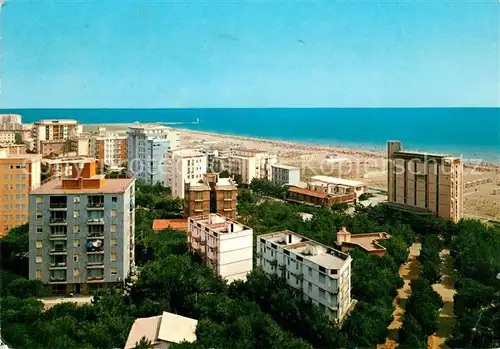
[176, 224]
[307, 192]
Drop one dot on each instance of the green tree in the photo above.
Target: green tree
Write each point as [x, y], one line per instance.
[144, 343]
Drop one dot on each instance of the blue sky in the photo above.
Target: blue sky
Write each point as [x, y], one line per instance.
[79, 54]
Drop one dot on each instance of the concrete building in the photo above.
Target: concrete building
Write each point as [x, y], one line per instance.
[11, 122]
[336, 186]
[249, 164]
[7, 137]
[284, 174]
[147, 146]
[81, 145]
[425, 182]
[55, 132]
[14, 149]
[367, 242]
[18, 175]
[317, 198]
[321, 272]
[184, 166]
[224, 245]
[110, 148]
[62, 166]
[162, 330]
[82, 231]
[212, 195]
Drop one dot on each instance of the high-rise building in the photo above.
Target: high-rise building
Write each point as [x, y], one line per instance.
[224, 245]
[321, 272]
[425, 182]
[18, 175]
[211, 195]
[110, 148]
[82, 231]
[184, 166]
[54, 131]
[147, 146]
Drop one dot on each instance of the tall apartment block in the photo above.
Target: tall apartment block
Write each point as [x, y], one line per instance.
[212, 195]
[321, 272]
[224, 245]
[82, 231]
[147, 146]
[18, 175]
[11, 122]
[110, 148]
[285, 175]
[425, 182]
[183, 166]
[250, 164]
[52, 135]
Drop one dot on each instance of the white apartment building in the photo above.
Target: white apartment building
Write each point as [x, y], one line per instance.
[110, 148]
[284, 174]
[54, 130]
[321, 272]
[147, 147]
[81, 144]
[184, 166]
[10, 122]
[7, 137]
[224, 245]
[336, 186]
[250, 164]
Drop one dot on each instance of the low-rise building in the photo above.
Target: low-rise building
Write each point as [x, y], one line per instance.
[367, 242]
[82, 231]
[14, 149]
[284, 174]
[223, 244]
[18, 175]
[184, 166]
[317, 198]
[321, 272]
[336, 186]
[249, 164]
[162, 330]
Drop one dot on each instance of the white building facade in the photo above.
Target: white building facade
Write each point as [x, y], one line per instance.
[250, 164]
[54, 130]
[184, 166]
[224, 245]
[321, 272]
[284, 174]
[147, 147]
[336, 186]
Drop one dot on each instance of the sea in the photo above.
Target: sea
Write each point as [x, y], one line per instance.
[472, 133]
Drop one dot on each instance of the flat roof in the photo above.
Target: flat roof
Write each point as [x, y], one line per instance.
[319, 254]
[307, 192]
[188, 153]
[144, 327]
[58, 160]
[32, 157]
[110, 186]
[335, 180]
[56, 121]
[368, 241]
[286, 167]
[176, 224]
[217, 222]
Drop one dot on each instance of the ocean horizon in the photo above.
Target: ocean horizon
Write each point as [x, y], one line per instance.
[469, 132]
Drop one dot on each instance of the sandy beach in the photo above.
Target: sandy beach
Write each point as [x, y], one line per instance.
[352, 163]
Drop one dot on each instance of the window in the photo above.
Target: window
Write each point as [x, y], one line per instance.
[113, 242]
[114, 271]
[76, 272]
[76, 243]
[6, 186]
[39, 244]
[113, 228]
[76, 199]
[310, 289]
[76, 214]
[76, 228]
[75, 258]
[321, 293]
[39, 214]
[39, 274]
[322, 278]
[39, 229]
[310, 272]
[114, 199]
[114, 213]
[39, 259]
[113, 257]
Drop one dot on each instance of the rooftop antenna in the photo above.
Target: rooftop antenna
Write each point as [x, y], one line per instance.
[2, 4]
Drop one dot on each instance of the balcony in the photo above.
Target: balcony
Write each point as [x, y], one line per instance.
[95, 206]
[95, 265]
[99, 278]
[58, 221]
[58, 236]
[57, 266]
[96, 235]
[57, 251]
[57, 279]
[96, 221]
[58, 207]
[95, 246]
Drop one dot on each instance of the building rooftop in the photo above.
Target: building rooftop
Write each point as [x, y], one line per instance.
[219, 223]
[422, 153]
[176, 224]
[31, 157]
[188, 153]
[194, 184]
[225, 184]
[56, 121]
[168, 327]
[71, 159]
[109, 186]
[367, 241]
[307, 192]
[335, 180]
[308, 249]
[286, 167]
[149, 126]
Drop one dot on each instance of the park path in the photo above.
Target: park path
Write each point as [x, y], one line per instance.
[409, 271]
[445, 288]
